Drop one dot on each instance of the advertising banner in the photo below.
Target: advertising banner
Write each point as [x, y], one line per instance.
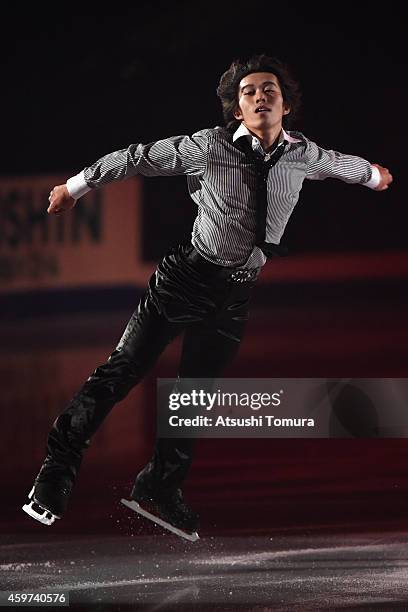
[97, 243]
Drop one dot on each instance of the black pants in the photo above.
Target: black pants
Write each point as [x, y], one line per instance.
[186, 293]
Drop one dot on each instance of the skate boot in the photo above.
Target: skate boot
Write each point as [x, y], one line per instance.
[48, 499]
[166, 509]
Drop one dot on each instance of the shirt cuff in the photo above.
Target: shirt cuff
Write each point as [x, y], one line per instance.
[375, 178]
[77, 186]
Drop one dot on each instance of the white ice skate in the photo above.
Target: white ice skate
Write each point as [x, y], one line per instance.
[133, 505]
[36, 511]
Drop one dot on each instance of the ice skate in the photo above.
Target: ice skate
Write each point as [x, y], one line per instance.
[47, 500]
[167, 510]
[37, 511]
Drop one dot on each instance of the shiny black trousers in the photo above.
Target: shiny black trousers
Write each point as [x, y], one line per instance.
[185, 294]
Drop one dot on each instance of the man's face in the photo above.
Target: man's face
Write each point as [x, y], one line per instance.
[260, 101]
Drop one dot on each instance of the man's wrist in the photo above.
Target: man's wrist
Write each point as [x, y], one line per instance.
[77, 186]
[375, 178]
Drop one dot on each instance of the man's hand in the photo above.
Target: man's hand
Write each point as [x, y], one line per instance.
[386, 178]
[60, 200]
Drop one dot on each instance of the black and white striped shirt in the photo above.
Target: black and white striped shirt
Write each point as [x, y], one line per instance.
[222, 183]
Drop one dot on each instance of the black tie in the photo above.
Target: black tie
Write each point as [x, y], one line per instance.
[262, 170]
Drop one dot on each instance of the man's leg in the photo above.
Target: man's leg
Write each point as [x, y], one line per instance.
[146, 335]
[208, 348]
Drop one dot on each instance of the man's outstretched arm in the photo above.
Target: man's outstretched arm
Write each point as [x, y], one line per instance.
[324, 164]
[171, 156]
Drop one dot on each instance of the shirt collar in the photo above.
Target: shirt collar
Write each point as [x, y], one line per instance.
[243, 131]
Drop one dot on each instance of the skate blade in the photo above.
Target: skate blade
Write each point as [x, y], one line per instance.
[192, 537]
[45, 517]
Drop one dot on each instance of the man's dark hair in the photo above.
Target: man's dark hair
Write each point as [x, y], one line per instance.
[227, 89]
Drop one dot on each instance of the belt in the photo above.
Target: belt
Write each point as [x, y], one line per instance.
[235, 275]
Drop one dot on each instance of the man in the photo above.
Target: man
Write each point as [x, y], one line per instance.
[245, 180]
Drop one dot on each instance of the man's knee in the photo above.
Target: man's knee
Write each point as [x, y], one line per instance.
[117, 375]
